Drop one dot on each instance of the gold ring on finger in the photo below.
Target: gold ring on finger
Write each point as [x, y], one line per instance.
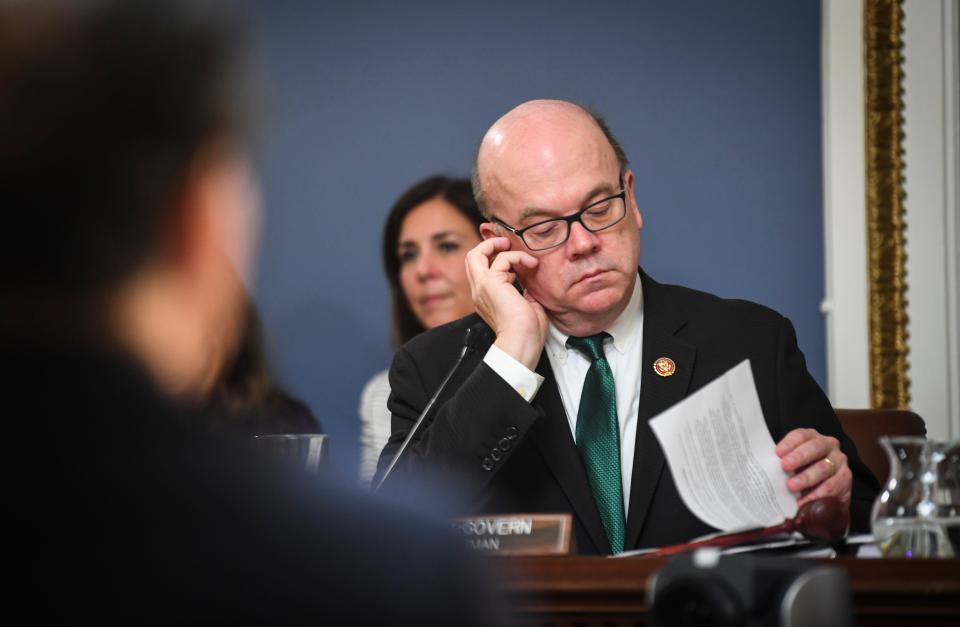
[833, 467]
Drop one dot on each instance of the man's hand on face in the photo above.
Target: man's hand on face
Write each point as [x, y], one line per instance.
[805, 452]
[520, 323]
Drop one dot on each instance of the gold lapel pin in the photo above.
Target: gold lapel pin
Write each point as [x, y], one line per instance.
[664, 367]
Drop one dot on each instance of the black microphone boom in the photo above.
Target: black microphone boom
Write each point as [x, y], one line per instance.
[477, 335]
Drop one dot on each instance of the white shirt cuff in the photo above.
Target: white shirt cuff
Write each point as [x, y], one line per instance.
[525, 381]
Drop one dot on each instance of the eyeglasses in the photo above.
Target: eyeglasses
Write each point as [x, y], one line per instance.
[553, 232]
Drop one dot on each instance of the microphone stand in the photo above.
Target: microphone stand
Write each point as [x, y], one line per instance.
[474, 339]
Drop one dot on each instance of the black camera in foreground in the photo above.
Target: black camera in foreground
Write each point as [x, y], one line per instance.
[706, 589]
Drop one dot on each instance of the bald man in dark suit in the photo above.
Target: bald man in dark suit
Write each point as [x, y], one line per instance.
[552, 416]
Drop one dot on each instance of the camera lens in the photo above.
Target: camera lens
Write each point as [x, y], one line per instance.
[697, 600]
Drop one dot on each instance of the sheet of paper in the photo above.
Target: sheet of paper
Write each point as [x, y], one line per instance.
[722, 456]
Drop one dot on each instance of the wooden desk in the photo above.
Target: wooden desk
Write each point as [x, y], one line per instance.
[598, 591]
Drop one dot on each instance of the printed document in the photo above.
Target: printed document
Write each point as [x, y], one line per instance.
[722, 455]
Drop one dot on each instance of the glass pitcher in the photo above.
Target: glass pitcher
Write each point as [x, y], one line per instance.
[917, 514]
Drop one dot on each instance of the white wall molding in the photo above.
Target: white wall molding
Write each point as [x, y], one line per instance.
[844, 204]
[931, 156]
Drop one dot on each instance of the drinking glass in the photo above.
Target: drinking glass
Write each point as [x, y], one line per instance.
[917, 514]
[305, 451]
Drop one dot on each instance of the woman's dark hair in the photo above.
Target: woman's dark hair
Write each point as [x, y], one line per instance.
[247, 391]
[458, 193]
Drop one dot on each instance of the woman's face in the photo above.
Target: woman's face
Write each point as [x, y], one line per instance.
[434, 239]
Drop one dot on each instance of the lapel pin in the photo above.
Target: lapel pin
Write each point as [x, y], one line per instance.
[664, 367]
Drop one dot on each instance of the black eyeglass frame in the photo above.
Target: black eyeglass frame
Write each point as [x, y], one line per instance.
[570, 219]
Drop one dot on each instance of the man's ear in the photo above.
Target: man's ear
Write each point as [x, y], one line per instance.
[490, 229]
[199, 226]
[213, 237]
[631, 199]
[217, 214]
[191, 230]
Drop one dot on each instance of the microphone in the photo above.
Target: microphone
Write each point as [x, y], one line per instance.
[476, 337]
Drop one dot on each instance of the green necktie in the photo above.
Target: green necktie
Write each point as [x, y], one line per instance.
[598, 437]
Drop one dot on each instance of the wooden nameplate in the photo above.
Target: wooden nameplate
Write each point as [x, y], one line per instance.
[517, 534]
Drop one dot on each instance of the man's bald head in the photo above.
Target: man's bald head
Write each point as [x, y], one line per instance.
[535, 134]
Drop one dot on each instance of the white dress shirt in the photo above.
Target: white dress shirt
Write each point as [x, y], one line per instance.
[374, 424]
[623, 350]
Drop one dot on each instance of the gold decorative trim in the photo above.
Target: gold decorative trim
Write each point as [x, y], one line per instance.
[883, 61]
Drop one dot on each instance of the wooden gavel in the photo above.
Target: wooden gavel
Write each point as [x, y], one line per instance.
[824, 519]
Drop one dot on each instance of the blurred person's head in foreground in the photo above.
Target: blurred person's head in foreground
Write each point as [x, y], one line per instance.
[127, 194]
[427, 235]
[128, 198]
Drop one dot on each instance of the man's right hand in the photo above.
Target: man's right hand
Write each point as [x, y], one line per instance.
[519, 322]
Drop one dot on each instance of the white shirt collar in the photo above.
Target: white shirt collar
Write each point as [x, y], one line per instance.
[624, 330]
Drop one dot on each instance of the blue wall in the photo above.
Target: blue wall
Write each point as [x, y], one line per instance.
[716, 103]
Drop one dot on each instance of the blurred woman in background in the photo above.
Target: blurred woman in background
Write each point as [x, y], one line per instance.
[243, 391]
[425, 240]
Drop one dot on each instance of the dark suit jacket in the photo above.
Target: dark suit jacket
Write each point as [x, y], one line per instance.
[511, 456]
[123, 509]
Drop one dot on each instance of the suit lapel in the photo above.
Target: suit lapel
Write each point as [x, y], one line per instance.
[660, 323]
[551, 433]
